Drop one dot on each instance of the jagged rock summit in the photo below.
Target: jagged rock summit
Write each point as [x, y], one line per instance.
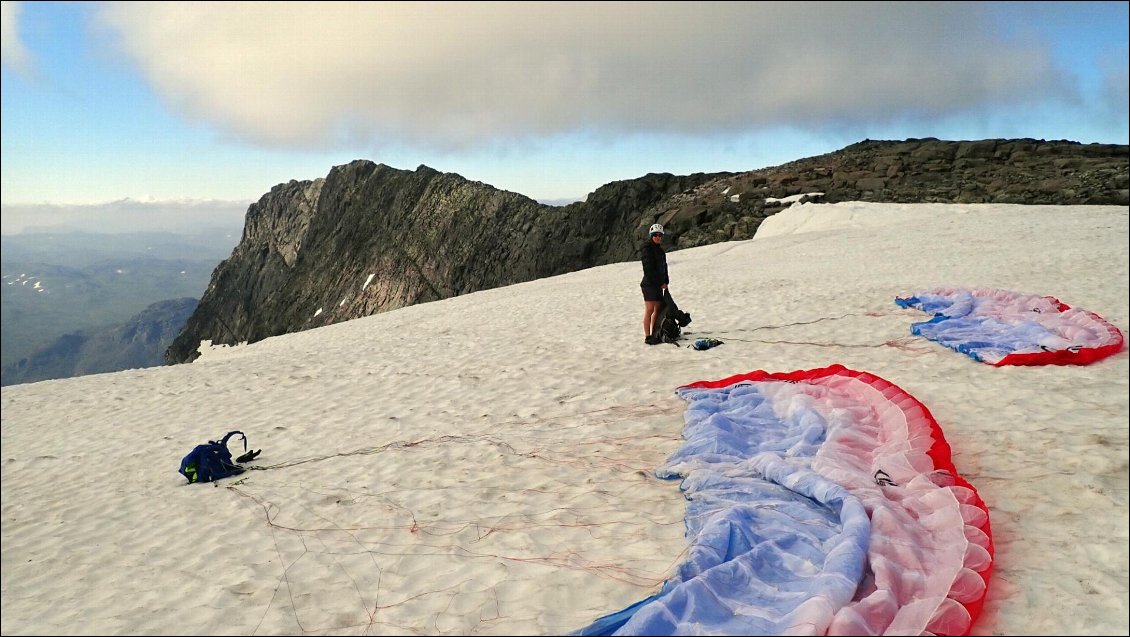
[369, 238]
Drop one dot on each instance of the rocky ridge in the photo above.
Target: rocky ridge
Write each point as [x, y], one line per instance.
[369, 238]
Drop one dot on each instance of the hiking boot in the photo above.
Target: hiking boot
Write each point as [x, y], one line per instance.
[652, 340]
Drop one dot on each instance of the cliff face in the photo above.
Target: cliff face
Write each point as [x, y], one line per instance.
[369, 238]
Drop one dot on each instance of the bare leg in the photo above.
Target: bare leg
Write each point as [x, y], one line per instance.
[650, 313]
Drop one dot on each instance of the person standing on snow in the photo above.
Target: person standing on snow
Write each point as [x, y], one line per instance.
[654, 281]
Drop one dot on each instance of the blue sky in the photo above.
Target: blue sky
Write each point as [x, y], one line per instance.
[167, 103]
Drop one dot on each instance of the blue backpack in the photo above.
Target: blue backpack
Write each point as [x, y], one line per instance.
[212, 461]
[706, 343]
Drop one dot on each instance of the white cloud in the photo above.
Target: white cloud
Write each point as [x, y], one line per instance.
[12, 51]
[127, 215]
[464, 75]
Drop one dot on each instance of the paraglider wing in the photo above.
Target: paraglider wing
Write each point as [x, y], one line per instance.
[819, 502]
[1002, 327]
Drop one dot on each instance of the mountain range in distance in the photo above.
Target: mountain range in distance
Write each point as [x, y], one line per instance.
[63, 293]
[373, 238]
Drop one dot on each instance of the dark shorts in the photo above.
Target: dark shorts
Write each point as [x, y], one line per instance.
[652, 292]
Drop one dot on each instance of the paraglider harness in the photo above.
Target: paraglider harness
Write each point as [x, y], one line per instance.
[212, 461]
[672, 320]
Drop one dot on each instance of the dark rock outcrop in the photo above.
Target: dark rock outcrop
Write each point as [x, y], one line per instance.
[140, 342]
[1013, 171]
[369, 238]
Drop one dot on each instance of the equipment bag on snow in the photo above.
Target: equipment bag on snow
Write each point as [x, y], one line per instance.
[669, 330]
[672, 320]
[706, 343]
[212, 461]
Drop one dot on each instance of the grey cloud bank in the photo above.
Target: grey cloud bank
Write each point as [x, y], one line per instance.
[452, 76]
[180, 217]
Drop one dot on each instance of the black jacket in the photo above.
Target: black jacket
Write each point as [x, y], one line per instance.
[654, 265]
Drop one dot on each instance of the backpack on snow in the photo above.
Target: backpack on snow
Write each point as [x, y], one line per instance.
[669, 330]
[672, 320]
[212, 461]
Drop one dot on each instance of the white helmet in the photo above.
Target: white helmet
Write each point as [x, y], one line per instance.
[656, 228]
